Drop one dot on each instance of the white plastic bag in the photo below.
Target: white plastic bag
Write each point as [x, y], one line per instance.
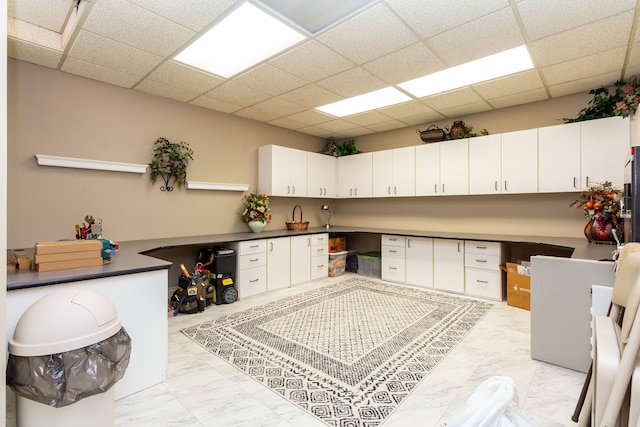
[490, 406]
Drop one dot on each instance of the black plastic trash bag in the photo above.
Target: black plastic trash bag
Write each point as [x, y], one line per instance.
[64, 378]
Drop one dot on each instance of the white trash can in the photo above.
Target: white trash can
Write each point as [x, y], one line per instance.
[66, 354]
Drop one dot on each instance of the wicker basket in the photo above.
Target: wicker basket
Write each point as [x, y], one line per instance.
[295, 224]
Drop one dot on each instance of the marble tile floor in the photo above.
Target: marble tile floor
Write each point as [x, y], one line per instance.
[202, 390]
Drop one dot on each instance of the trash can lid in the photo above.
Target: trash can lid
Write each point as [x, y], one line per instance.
[64, 320]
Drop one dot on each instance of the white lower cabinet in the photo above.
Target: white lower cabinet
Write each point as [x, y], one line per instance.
[483, 275]
[393, 258]
[419, 261]
[252, 267]
[319, 255]
[278, 263]
[448, 265]
[300, 259]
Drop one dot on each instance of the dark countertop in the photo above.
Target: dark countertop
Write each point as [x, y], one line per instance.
[133, 256]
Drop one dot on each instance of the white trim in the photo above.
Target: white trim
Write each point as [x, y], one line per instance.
[70, 162]
[197, 185]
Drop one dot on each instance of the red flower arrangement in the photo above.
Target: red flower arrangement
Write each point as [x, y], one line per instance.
[601, 203]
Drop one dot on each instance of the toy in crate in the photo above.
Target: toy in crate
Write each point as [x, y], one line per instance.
[295, 224]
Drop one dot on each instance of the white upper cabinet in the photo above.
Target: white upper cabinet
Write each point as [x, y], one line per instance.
[428, 170]
[559, 158]
[454, 167]
[605, 144]
[520, 161]
[485, 171]
[355, 175]
[394, 172]
[282, 171]
[321, 175]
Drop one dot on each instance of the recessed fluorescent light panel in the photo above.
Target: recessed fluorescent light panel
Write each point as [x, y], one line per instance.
[490, 67]
[316, 15]
[242, 39]
[365, 102]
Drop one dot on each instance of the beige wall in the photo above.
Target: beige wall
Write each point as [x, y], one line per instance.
[54, 113]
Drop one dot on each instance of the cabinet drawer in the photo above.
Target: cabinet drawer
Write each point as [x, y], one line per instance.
[488, 262]
[393, 251]
[393, 269]
[486, 248]
[252, 281]
[320, 239]
[484, 283]
[317, 250]
[319, 266]
[388, 240]
[252, 247]
[252, 260]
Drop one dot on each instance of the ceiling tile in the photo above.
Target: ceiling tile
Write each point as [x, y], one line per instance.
[510, 85]
[583, 85]
[633, 66]
[406, 109]
[269, 79]
[237, 94]
[29, 52]
[49, 14]
[600, 63]
[310, 117]
[355, 81]
[192, 14]
[431, 17]
[405, 64]
[180, 76]
[465, 109]
[129, 24]
[369, 35]
[386, 126]
[33, 34]
[485, 36]
[279, 107]
[451, 99]
[166, 91]
[113, 55]
[544, 18]
[215, 104]
[95, 72]
[312, 61]
[287, 123]
[421, 119]
[600, 36]
[366, 118]
[524, 97]
[311, 96]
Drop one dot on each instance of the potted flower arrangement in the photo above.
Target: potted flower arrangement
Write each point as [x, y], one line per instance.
[256, 212]
[170, 160]
[601, 206]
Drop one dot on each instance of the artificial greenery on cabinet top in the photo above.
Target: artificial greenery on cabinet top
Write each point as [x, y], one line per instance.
[623, 101]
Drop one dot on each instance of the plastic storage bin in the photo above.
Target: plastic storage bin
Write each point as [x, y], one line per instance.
[370, 264]
[352, 261]
[337, 263]
[67, 352]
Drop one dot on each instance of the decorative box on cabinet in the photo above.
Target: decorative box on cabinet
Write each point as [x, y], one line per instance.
[483, 275]
[278, 263]
[393, 258]
[419, 261]
[448, 265]
[252, 267]
[282, 171]
[319, 255]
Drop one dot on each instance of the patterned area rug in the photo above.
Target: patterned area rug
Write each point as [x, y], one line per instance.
[347, 353]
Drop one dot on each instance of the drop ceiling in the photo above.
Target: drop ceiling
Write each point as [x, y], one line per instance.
[576, 46]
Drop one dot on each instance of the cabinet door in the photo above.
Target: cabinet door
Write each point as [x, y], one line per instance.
[345, 174]
[485, 165]
[427, 170]
[298, 172]
[448, 265]
[382, 175]
[419, 261]
[454, 167]
[520, 161]
[559, 158]
[604, 146]
[404, 171]
[362, 177]
[321, 175]
[278, 263]
[300, 259]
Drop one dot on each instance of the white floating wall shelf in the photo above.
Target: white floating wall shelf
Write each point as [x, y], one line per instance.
[71, 162]
[196, 185]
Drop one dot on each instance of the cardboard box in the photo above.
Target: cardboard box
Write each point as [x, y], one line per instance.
[43, 248]
[63, 265]
[518, 285]
[337, 244]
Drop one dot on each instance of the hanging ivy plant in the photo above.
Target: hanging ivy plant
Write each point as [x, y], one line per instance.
[170, 160]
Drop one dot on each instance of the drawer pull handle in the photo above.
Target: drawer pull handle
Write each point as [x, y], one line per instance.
[254, 246]
[254, 280]
[481, 260]
[254, 260]
[321, 266]
[482, 281]
[481, 247]
[393, 251]
[392, 268]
